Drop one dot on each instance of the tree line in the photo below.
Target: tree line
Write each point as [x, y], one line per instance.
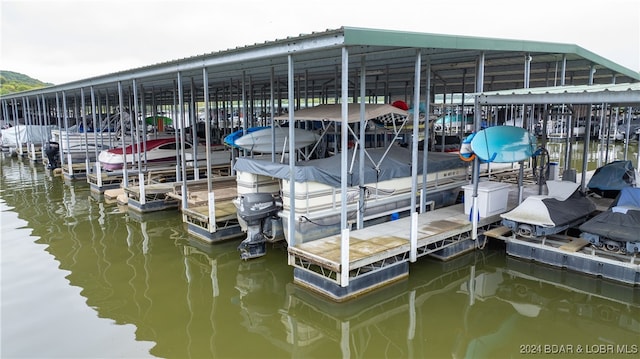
[12, 82]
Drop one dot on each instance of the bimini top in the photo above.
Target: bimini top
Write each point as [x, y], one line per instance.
[333, 112]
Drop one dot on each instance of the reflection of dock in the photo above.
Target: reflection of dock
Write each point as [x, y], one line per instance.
[620, 294]
[522, 293]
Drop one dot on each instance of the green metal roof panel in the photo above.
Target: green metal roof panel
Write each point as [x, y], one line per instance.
[376, 37]
[362, 36]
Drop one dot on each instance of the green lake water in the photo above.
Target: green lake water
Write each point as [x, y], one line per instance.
[82, 278]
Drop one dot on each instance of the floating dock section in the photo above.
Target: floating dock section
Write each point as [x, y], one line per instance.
[379, 254]
[210, 217]
[572, 253]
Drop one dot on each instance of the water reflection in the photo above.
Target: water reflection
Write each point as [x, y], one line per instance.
[599, 153]
[195, 300]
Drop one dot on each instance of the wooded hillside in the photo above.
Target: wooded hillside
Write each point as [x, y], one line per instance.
[11, 82]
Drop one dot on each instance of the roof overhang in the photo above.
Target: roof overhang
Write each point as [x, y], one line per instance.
[620, 94]
[388, 58]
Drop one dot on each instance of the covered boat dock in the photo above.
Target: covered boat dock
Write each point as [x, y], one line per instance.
[245, 87]
[573, 253]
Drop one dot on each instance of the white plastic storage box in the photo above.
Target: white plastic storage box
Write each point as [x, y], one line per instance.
[492, 198]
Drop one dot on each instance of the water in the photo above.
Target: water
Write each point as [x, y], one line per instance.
[82, 278]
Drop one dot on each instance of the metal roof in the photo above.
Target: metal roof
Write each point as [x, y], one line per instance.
[618, 94]
[389, 59]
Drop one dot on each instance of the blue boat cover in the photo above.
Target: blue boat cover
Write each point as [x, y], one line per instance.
[230, 139]
[613, 176]
[396, 164]
[629, 198]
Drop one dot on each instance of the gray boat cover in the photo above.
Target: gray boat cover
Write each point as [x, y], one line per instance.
[563, 205]
[622, 221]
[21, 134]
[396, 164]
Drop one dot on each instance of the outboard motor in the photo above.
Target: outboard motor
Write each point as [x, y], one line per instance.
[53, 155]
[257, 210]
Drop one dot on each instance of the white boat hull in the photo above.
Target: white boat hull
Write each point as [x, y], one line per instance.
[113, 161]
[74, 139]
[261, 140]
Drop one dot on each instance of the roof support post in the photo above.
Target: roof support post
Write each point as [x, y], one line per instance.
[176, 124]
[27, 121]
[525, 123]
[140, 155]
[125, 173]
[66, 128]
[85, 137]
[15, 118]
[193, 122]
[362, 140]
[587, 140]
[425, 152]
[292, 158]
[476, 162]
[272, 113]
[527, 69]
[59, 123]
[207, 128]
[5, 111]
[96, 126]
[245, 108]
[211, 199]
[413, 236]
[344, 244]
[563, 72]
[181, 118]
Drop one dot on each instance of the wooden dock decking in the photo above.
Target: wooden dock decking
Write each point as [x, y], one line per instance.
[376, 248]
[77, 171]
[160, 194]
[153, 173]
[222, 227]
[224, 188]
[155, 197]
[224, 224]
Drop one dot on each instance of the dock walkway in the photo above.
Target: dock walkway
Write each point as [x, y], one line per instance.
[379, 254]
[210, 222]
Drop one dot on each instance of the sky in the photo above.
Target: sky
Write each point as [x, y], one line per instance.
[60, 41]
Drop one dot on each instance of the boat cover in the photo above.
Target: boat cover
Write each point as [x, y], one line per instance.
[613, 176]
[333, 112]
[564, 204]
[396, 164]
[21, 134]
[230, 139]
[622, 221]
